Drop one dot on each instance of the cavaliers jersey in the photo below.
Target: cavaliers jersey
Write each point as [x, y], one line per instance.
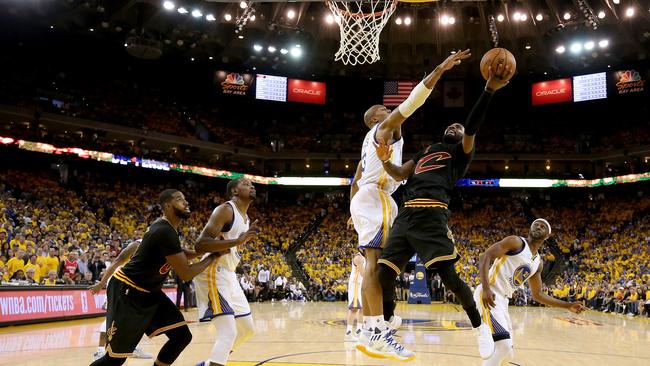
[148, 268]
[239, 225]
[437, 168]
[356, 273]
[372, 172]
[513, 269]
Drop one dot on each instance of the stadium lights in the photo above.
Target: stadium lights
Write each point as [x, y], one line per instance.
[197, 13]
[284, 51]
[500, 17]
[169, 5]
[240, 36]
[616, 2]
[243, 5]
[447, 20]
[560, 49]
[629, 12]
[516, 16]
[271, 49]
[291, 14]
[398, 21]
[252, 18]
[539, 17]
[567, 16]
[182, 10]
[589, 45]
[575, 47]
[524, 17]
[296, 52]
[603, 43]
[257, 47]
[452, 20]
[528, 46]
[407, 21]
[227, 17]
[210, 18]
[329, 19]
[601, 14]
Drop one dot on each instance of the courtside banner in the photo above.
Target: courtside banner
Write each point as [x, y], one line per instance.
[552, 91]
[306, 91]
[49, 304]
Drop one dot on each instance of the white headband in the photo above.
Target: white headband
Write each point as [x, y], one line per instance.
[547, 224]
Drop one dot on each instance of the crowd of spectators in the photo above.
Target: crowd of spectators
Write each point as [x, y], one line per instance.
[53, 233]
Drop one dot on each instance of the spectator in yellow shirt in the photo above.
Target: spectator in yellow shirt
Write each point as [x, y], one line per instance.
[16, 262]
[51, 279]
[51, 262]
[33, 264]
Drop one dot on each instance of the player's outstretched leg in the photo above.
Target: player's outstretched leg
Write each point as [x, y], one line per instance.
[482, 331]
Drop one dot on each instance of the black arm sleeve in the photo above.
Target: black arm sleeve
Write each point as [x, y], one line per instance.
[477, 115]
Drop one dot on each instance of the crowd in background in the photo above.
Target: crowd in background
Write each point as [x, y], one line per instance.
[54, 233]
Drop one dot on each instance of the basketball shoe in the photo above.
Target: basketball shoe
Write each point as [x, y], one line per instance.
[381, 344]
[485, 341]
[351, 336]
[139, 353]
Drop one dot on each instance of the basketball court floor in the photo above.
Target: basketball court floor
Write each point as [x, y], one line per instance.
[300, 334]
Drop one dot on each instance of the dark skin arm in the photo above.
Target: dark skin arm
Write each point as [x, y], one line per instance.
[190, 254]
[354, 188]
[399, 173]
[391, 126]
[495, 251]
[535, 283]
[121, 259]
[187, 271]
[221, 217]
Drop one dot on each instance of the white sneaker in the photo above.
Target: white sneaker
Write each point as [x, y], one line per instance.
[350, 337]
[394, 324]
[485, 342]
[382, 345]
[363, 344]
[139, 353]
[101, 351]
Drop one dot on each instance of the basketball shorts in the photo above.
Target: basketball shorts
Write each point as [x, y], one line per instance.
[354, 295]
[497, 317]
[219, 293]
[423, 231]
[373, 212]
[133, 313]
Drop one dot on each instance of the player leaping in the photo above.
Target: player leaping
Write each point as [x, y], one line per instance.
[516, 259]
[372, 208]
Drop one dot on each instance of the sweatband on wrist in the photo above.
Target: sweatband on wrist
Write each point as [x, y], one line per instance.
[418, 96]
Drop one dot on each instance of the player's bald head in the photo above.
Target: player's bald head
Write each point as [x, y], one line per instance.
[370, 117]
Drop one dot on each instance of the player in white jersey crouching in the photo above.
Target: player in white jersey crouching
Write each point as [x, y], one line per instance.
[373, 211]
[220, 298]
[516, 259]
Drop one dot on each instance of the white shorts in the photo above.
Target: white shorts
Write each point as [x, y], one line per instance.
[354, 295]
[373, 212]
[218, 293]
[497, 317]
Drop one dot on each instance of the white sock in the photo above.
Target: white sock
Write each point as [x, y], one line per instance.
[367, 322]
[378, 322]
[358, 326]
[348, 328]
[502, 351]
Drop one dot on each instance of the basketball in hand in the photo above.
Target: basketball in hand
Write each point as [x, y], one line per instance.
[494, 57]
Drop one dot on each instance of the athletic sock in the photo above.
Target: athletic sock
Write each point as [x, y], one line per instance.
[367, 323]
[348, 328]
[378, 322]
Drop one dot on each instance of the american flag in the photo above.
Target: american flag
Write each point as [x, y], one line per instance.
[395, 92]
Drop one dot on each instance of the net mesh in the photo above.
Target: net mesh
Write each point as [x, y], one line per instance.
[360, 24]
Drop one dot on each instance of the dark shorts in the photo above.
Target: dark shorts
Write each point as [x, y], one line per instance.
[133, 313]
[423, 231]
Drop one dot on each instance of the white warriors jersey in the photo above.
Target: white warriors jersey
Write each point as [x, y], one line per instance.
[356, 273]
[512, 270]
[372, 172]
[240, 225]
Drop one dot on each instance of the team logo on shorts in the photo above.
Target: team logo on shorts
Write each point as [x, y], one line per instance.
[165, 268]
[520, 275]
[110, 332]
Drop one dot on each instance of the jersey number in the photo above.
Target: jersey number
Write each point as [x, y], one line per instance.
[425, 164]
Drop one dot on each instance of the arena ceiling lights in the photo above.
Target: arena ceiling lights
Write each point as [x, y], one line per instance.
[577, 47]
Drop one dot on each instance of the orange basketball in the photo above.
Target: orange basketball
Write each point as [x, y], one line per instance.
[495, 56]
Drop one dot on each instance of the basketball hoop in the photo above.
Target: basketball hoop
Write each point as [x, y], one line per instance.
[360, 23]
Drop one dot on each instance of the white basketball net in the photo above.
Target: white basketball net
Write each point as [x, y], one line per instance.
[360, 23]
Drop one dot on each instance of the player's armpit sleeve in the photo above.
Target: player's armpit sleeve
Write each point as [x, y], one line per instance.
[168, 241]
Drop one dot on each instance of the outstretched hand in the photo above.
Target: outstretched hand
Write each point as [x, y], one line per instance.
[455, 59]
[577, 307]
[383, 149]
[499, 76]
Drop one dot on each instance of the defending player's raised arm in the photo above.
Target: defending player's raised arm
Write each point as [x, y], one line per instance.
[535, 282]
[399, 173]
[496, 250]
[498, 79]
[220, 218]
[121, 259]
[418, 96]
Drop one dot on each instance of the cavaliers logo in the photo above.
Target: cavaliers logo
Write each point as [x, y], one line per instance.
[520, 275]
[427, 163]
[165, 268]
[110, 332]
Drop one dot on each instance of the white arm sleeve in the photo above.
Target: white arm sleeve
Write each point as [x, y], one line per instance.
[418, 96]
